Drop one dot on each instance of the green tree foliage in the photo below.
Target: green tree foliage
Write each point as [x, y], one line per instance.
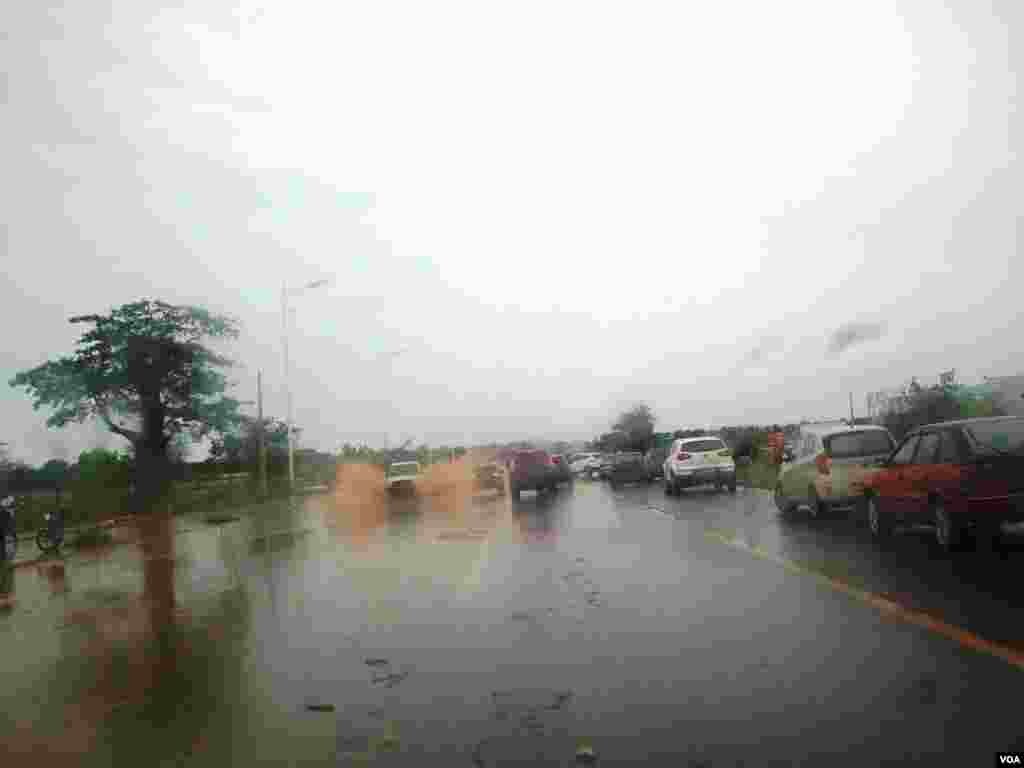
[143, 370]
[101, 483]
[101, 468]
[240, 443]
[364, 454]
[920, 406]
[53, 474]
[638, 425]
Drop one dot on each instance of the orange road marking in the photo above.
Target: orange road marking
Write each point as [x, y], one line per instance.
[956, 634]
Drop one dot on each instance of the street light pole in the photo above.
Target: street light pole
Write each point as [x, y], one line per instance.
[287, 384]
[285, 314]
[262, 435]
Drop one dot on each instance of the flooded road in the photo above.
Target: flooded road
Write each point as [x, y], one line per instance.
[346, 630]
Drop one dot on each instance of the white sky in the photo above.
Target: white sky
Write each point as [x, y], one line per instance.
[557, 208]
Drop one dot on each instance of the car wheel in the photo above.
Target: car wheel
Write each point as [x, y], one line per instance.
[819, 508]
[948, 533]
[783, 504]
[878, 524]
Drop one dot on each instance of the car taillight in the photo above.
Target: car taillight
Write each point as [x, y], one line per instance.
[682, 456]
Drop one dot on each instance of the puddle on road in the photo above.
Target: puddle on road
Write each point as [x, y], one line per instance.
[277, 541]
[175, 642]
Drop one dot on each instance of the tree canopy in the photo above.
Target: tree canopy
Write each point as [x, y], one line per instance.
[143, 369]
[920, 406]
[240, 442]
[637, 424]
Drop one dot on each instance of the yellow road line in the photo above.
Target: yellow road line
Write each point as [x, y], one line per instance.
[956, 634]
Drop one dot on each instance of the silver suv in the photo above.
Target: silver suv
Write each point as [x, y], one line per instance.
[699, 461]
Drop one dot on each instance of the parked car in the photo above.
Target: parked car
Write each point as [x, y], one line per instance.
[561, 472]
[628, 467]
[654, 462]
[830, 465]
[402, 477]
[531, 470]
[604, 467]
[698, 461]
[490, 476]
[956, 475]
[581, 463]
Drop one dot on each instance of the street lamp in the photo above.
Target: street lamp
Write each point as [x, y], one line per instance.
[287, 371]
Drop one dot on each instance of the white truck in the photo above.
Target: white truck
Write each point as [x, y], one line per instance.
[402, 476]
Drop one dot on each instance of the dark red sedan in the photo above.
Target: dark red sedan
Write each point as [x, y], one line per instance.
[531, 470]
[956, 475]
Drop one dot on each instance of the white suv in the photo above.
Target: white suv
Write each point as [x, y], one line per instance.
[698, 461]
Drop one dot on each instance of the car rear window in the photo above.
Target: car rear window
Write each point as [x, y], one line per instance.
[871, 442]
[701, 446]
[529, 458]
[403, 468]
[996, 437]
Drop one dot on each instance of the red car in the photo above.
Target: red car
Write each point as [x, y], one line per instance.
[531, 470]
[957, 475]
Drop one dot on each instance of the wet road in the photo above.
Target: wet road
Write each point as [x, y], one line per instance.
[701, 630]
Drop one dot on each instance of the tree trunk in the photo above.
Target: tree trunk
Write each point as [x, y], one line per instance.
[151, 463]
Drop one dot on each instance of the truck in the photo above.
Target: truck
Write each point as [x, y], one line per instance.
[402, 476]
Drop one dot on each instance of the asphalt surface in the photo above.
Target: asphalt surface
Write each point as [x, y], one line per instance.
[698, 631]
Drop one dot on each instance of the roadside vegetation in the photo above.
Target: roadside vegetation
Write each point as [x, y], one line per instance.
[758, 474]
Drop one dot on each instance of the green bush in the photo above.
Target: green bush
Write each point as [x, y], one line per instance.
[79, 509]
[92, 536]
[758, 474]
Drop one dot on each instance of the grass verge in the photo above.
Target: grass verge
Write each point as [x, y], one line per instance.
[758, 475]
[92, 536]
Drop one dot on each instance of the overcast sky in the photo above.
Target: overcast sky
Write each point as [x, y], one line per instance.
[734, 212]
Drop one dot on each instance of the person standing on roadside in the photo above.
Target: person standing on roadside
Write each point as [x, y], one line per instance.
[776, 445]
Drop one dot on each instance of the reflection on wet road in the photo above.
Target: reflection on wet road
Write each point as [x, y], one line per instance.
[353, 629]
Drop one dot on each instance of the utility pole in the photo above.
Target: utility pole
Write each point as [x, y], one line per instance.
[262, 435]
[851, 408]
